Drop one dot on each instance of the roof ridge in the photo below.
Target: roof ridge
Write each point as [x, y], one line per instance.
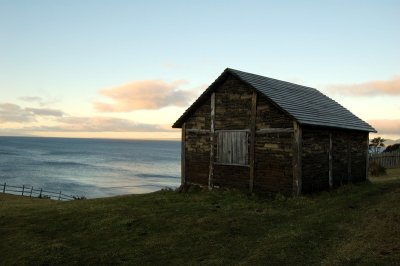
[304, 104]
[273, 79]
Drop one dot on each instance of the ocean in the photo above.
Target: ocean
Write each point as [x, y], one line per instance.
[90, 167]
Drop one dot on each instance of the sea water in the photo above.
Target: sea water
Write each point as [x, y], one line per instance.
[90, 167]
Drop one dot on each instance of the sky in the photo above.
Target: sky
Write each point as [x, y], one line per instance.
[129, 69]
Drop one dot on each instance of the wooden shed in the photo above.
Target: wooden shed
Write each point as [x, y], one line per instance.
[267, 135]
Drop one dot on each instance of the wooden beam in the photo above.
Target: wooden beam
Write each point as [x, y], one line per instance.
[274, 130]
[297, 152]
[212, 139]
[330, 161]
[195, 130]
[367, 159]
[252, 138]
[183, 155]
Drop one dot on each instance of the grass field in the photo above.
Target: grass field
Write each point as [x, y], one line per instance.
[354, 225]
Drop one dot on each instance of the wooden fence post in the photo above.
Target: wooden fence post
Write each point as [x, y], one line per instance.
[23, 188]
[40, 195]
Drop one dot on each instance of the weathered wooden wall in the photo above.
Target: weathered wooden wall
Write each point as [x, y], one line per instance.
[273, 170]
[232, 112]
[232, 105]
[349, 153]
[359, 155]
[328, 158]
[197, 146]
[231, 176]
[315, 161]
[269, 116]
[273, 150]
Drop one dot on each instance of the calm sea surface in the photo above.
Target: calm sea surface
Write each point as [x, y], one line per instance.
[90, 167]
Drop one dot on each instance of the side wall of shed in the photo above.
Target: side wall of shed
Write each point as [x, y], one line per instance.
[348, 158]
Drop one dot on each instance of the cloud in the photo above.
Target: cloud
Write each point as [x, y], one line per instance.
[33, 99]
[99, 124]
[45, 111]
[10, 112]
[145, 94]
[371, 88]
[38, 100]
[386, 126]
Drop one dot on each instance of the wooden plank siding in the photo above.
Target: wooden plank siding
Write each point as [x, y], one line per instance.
[239, 138]
[233, 101]
[239, 109]
[273, 149]
[232, 147]
[197, 145]
[332, 158]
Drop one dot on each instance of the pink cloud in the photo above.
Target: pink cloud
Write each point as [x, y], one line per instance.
[386, 126]
[370, 88]
[145, 94]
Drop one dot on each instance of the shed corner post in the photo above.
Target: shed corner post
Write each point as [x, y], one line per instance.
[297, 153]
[330, 158]
[367, 159]
[212, 137]
[183, 155]
[252, 138]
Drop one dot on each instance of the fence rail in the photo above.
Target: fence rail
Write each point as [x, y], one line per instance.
[386, 159]
[29, 191]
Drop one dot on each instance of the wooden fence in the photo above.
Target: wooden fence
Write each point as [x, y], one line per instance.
[386, 159]
[32, 192]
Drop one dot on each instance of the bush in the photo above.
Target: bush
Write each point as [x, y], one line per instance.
[375, 169]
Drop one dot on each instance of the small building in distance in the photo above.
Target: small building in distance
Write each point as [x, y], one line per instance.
[267, 135]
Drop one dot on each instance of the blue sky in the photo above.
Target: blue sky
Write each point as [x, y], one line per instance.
[63, 55]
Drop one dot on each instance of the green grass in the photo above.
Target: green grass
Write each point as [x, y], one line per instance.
[354, 225]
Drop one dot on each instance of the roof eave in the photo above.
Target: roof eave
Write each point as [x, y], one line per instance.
[370, 129]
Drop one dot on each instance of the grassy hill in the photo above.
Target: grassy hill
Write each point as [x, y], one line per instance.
[353, 225]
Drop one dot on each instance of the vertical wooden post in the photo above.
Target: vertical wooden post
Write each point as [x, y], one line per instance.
[349, 178]
[183, 155]
[252, 138]
[367, 159]
[212, 130]
[23, 188]
[297, 152]
[330, 161]
[40, 195]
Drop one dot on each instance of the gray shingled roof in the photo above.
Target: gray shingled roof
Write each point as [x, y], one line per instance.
[306, 105]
